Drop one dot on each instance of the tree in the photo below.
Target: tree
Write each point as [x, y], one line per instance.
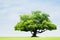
[37, 22]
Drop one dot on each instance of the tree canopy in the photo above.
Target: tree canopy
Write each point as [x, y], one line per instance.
[37, 22]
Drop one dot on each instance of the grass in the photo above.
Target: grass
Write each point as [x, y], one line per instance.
[29, 38]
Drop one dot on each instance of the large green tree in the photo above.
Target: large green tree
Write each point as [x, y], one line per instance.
[37, 22]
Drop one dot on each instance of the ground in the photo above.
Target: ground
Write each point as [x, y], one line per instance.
[29, 38]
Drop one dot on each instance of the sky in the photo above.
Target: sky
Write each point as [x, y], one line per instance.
[11, 9]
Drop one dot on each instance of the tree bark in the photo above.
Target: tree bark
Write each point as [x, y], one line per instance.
[34, 34]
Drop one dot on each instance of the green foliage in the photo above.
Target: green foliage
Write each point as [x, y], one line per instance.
[36, 21]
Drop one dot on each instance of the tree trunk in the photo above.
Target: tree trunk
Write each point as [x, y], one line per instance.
[34, 34]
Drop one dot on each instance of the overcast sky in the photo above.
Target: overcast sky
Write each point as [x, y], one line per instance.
[11, 9]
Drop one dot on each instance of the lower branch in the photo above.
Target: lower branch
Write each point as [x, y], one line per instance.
[41, 31]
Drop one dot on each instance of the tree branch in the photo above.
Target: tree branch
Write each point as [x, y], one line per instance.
[31, 31]
[41, 31]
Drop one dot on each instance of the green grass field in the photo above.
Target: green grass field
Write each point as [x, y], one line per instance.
[29, 38]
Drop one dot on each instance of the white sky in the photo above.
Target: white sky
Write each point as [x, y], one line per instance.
[11, 9]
